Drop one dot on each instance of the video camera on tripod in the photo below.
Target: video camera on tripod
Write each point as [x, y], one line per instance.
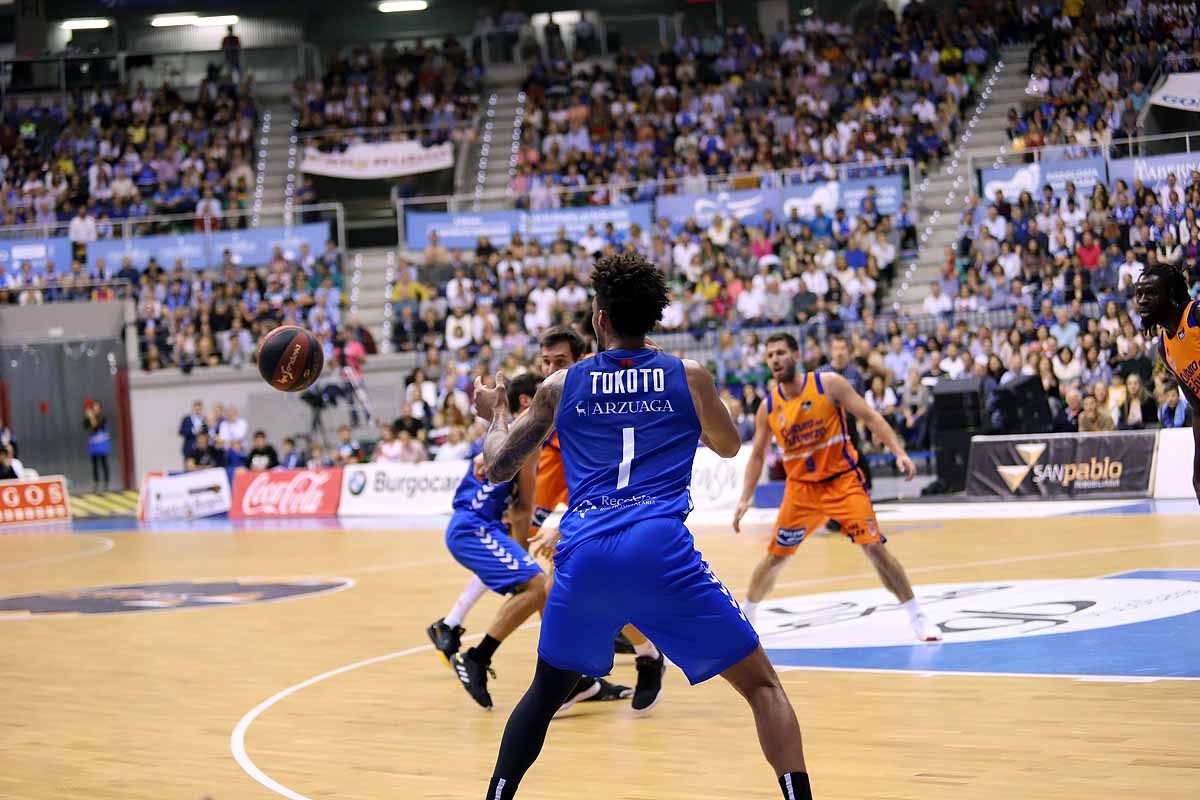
[345, 384]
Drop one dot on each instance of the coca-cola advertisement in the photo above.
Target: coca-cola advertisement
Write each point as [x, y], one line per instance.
[287, 493]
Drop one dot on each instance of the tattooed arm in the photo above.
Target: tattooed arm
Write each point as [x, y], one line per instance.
[506, 448]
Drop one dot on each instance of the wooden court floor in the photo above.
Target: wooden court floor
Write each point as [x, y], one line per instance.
[144, 705]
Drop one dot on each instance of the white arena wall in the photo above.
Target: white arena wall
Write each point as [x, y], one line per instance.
[159, 400]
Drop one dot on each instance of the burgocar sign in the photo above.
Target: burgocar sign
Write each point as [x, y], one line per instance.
[400, 489]
[1061, 465]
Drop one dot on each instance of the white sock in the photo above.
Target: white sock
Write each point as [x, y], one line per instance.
[913, 608]
[751, 611]
[469, 597]
[646, 648]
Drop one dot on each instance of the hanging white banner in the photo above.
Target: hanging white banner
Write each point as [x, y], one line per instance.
[378, 160]
[1181, 90]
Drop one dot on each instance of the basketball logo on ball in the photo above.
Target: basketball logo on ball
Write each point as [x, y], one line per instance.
[290, 358]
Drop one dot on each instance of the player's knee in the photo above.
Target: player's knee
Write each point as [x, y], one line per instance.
[875, 551]
[775, 562]
[537, 588]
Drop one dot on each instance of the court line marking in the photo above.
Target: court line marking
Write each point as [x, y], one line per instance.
[237, 739]
[933, 673]
[345, 583]
[1000, 561]
[105, 545]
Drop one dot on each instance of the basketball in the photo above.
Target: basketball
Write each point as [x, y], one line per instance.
[290, 358]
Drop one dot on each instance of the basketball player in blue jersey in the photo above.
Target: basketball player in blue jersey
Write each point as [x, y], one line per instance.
[479, 540]
[628, 421]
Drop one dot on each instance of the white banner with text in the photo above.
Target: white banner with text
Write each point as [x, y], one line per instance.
[375, 160]
[371, 490]
[185, 495]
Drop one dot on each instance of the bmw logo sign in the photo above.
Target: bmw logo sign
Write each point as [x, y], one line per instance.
[358, 482]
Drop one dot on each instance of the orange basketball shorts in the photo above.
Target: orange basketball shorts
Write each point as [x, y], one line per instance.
[807, 506]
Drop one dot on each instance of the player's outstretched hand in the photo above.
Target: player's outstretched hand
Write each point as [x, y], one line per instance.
[488, 398]
[545, 544]
[906, 465]
[739, 512]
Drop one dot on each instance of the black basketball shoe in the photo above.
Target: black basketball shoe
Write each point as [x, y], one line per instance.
[474, 677]
[649, 683]
[446, 640]
[586, 688]
[622, 646]
[609, 691]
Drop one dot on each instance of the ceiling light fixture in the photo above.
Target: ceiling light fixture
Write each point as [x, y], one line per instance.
[84, 24]
[392, 6]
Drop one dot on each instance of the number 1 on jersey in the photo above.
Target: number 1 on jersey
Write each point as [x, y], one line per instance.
[626, 457]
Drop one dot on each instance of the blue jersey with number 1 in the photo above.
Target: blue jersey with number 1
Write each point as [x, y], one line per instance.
[628, 432]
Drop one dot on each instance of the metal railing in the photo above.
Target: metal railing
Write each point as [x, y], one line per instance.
[156, 224]
[59, 73]
[1136, 146]
[508, 45]
[66, 72]
[381, 133]
[65, 288]
[702, 344]
[615, 190]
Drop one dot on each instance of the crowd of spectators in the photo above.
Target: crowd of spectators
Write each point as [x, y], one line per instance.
[87, 164]
[734, 102]
[220, 437]
[193, 319]
[430, 90]
[823, 268]
[1091, 67]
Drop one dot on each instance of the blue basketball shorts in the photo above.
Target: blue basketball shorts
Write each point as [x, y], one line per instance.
[649, 574]
[484, 547]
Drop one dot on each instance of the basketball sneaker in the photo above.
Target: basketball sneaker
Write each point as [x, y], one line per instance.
[609, 691]
[622, 646]
[474, 677]
[585, 689]
[446, 640]
[925, 630]
[649, 689]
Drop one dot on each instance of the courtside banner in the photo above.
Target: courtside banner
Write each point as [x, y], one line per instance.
[1063, 465]
[185, 495]
[43, 499]
[286, 493]
[716, 481]
[380, 490]
[375, 160]
[1173, 465]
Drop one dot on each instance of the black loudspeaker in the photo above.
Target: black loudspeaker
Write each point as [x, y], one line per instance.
[958, 414]
[1023, 407]
[958, 404]
[951, 450]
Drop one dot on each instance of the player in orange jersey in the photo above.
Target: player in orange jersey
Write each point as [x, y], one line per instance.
[807, 415]
[1168, 311]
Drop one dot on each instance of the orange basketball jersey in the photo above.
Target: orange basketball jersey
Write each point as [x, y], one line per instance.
[551, 486]
[1182, 350]
[811, 430]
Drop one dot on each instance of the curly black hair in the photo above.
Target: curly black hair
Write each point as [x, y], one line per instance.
[631, 290]
[1175, 282]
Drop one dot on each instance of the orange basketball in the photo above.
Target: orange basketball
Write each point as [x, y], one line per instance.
[290, 358]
